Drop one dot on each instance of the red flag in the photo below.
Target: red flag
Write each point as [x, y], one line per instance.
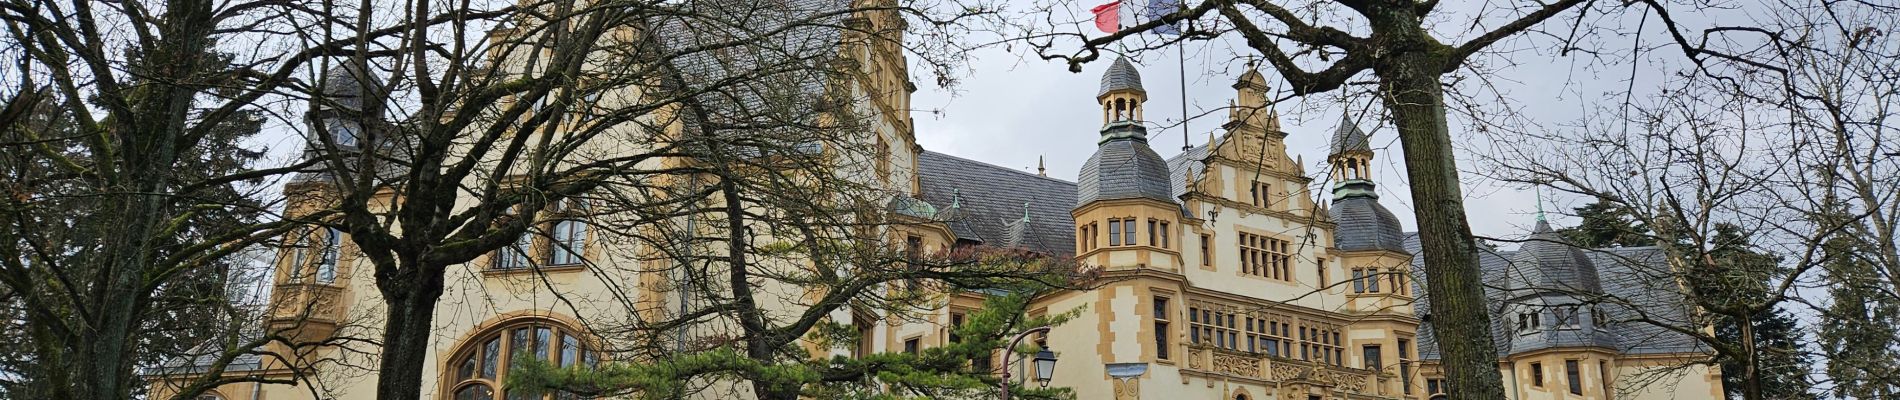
[1108, 16]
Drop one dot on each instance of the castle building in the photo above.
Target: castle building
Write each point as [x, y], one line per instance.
[1225, 276]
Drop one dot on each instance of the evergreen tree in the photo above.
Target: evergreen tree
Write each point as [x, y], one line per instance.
[1742, 279]
[1607, 224]
[1860, 326]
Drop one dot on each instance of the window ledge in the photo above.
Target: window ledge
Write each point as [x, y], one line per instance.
[491, 272]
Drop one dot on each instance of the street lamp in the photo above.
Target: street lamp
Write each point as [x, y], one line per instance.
[1045, 366]
[1045, 360]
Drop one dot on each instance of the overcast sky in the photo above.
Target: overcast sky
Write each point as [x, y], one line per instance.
[1011, 109]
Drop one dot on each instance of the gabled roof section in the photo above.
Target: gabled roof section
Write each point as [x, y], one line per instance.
[985, 203]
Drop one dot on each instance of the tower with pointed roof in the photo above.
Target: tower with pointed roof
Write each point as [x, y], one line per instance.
[1125, 207]
[1369, 243]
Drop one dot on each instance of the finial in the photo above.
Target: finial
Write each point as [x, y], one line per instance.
[956, 198]
[1540, 202]
[1041, 169]
[1025, 211]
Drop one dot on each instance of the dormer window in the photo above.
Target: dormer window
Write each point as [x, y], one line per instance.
[344, 133]
[1529, 322]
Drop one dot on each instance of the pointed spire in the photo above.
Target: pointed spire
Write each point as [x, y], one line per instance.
[1539, 192]
[1349, 138]
[1041, 168]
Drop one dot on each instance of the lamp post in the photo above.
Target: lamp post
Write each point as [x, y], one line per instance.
[1045, 360]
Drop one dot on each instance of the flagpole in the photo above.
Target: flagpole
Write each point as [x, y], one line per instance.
[1180, 52]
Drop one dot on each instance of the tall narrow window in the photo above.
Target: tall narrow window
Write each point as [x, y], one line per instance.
[1405, 364]
[326, 263]
[1259, 194]
[1161, 327]
[1572, 374]
[1603, 376]
[1319, 268]
[1164, 235]
[1372, 280]
[1207, 254]
[569, 242]
[1537, 374]
[1128, 231]
[1358, 280]
[1114, 233]
[299, 255]
[1082, 239]
[1152, 239]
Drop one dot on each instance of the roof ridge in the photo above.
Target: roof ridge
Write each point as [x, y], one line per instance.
[999, 167]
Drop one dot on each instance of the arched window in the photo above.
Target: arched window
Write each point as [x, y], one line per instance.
[481, 365]
[1241, 396]
[569, 239]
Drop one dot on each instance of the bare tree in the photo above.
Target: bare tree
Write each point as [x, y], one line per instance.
[1755, 172]
[729, 142]
[1318, 47]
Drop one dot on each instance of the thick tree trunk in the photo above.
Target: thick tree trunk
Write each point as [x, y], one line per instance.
[406, 329]
[1751, 359]
[1413, 94]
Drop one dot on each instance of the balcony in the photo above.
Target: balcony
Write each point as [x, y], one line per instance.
[1217, 361]
[309, 311]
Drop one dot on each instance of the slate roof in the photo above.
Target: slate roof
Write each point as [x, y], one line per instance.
[1548, 261]
[1349, 138]
[346, 86]
[1363, 224]
[1124, 168]
[200, 358]
[1638, 275]
[1120, 75]
[984, 202]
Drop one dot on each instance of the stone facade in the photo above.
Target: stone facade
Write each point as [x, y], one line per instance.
[1225, 273]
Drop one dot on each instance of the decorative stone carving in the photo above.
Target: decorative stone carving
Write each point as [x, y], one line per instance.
[1287, 372]
[1127, 389]
[1236, 364]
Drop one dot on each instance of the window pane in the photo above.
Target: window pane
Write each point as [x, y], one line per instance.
[475, 392]
[491, 357]
[570, 349]
[541, 342]
[518, 344]
[466, 368]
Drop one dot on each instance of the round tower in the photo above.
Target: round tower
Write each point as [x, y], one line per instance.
[1126, 213]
